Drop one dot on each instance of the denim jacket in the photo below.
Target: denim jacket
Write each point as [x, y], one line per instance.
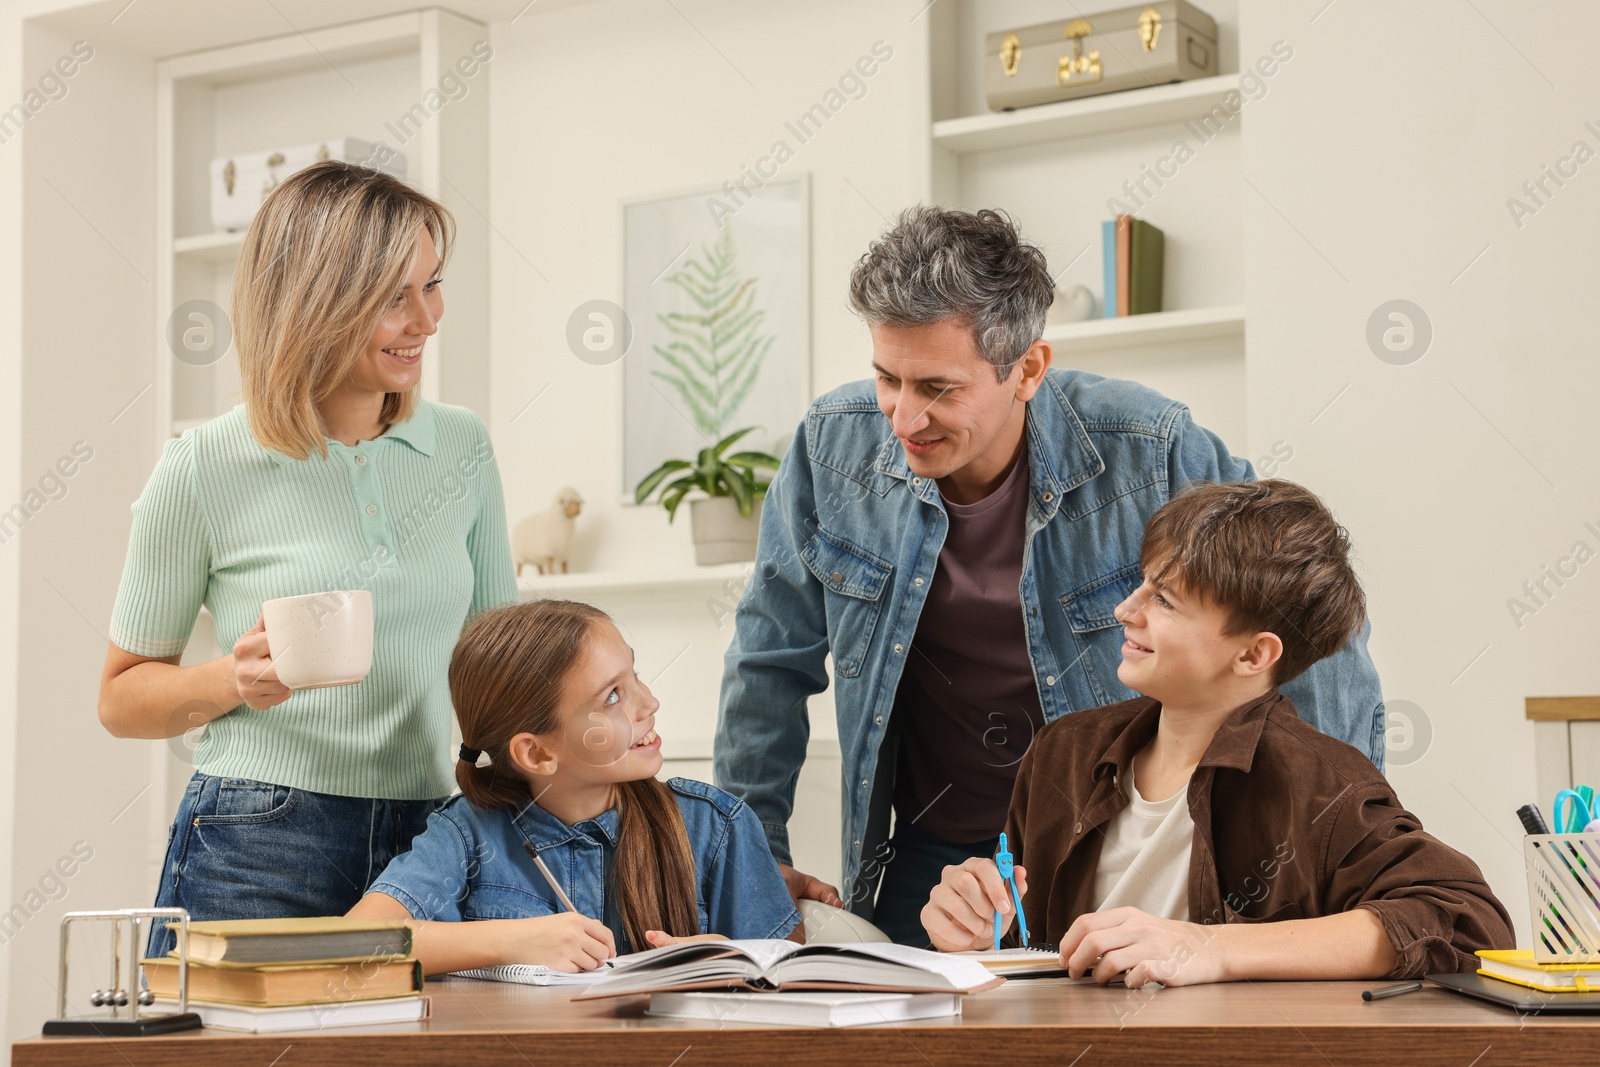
[850, 538]
[470, 864]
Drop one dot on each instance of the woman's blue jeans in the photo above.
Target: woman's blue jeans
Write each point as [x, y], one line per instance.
[242, 849]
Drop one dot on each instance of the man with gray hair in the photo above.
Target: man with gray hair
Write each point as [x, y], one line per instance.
[956, 534]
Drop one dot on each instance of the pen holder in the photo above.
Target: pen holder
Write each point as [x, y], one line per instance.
[1564, 896]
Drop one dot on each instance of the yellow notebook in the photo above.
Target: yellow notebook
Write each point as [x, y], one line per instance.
[1517, 965]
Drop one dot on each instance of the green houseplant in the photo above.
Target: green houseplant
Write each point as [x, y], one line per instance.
[725, 523]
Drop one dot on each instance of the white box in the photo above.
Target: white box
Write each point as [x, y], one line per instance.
[240, 183]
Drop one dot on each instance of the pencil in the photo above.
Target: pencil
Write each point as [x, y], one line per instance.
[549, 877]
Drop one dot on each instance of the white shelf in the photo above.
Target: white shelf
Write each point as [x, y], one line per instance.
[533, 586]
[1083, 118]
[221, 247]
[1157, 328]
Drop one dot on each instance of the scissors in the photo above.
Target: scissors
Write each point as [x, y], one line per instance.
[1574, 811]
[1002, 860]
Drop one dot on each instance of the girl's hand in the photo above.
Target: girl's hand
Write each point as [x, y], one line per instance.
[565, 942]
[253, 672]
[661, 939]
[1104, 944]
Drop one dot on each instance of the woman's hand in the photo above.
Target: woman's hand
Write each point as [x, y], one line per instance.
[253, 671]
[661, 939]
[959, 915]
[1104, 944]
[564, 942]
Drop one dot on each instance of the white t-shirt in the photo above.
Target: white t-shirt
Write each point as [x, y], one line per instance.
[1144, 860]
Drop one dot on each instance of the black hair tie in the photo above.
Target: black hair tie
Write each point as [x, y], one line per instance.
[470, 754]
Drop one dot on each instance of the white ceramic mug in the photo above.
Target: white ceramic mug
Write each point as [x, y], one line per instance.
[320, 639]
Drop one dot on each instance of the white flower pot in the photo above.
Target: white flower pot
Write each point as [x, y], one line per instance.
[721, 534]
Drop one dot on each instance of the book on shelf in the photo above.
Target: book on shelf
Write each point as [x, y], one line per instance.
[1517, 965]
[765, 965]
[256, 1020]
[806, 1009]
[273, 985]
[1146, 265]
[325, 939]
[1133, 264]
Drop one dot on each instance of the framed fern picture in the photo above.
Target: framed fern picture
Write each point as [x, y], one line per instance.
[718, 290]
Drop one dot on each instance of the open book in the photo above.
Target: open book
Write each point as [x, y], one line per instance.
[765, 965]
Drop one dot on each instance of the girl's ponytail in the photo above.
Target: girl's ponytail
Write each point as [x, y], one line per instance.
[653, 871]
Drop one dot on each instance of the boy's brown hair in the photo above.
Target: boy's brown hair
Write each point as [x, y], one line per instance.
[1271, 555]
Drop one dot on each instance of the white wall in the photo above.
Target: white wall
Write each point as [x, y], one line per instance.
[11, 436]
[1460, 474]
[665, 106]
[85, 355]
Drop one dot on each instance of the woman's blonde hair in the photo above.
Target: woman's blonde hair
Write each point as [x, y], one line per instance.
[320, 264]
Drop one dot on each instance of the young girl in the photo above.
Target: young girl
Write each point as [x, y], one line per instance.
[559, 757]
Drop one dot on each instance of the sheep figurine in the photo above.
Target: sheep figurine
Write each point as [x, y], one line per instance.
[545, 539]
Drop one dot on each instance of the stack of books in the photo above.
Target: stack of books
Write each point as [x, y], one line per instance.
[1134, 260]
[264, 975]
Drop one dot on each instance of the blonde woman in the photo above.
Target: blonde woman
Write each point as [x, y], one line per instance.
[333, 474]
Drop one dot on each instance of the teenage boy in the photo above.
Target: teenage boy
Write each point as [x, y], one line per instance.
[1204, 833]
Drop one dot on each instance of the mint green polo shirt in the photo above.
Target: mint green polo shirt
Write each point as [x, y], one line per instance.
[416, 516]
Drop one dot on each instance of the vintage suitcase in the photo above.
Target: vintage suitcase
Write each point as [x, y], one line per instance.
[1128, 48]
[240, 183]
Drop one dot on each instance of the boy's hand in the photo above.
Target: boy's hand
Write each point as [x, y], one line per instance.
[565, 942]
[959, 915]
[661, 939]
[1104, 944]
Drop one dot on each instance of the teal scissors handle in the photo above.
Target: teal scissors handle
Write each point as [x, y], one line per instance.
[1570, 812]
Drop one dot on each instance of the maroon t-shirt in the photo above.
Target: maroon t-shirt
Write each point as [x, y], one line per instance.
[967, 707]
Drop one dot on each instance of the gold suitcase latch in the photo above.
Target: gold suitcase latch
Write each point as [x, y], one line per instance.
[1079, 68]
[1149, 28]
[1010, 54]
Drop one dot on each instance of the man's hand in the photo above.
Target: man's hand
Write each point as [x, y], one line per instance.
[804, 887]
[959, 915]
[1104, 944]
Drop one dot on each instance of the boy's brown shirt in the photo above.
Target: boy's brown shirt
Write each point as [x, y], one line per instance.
[1289, 824]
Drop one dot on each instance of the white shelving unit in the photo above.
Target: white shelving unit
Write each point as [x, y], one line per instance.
[1158, 328]
[1061, 169]
[535, 586]
[355, 79]
[1159, 105]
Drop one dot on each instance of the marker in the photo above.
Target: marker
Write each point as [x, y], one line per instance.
[1390, 991]
[1532, 820]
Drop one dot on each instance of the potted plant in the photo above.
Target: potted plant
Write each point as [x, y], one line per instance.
[727, 519]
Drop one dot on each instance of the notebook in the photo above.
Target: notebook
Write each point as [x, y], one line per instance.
[531, 974]
[806, 1009]
[1014, 962]
[758, 965]
[1517, 965]
[304, 1016]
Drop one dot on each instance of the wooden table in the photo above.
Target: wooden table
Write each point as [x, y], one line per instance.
[1037, 1021]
